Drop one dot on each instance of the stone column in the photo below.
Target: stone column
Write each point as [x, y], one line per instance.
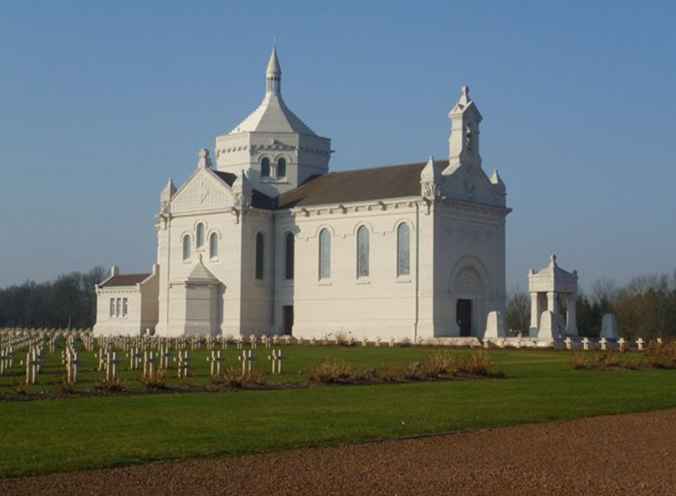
[552, 304]
[534, 315]
[571, 314]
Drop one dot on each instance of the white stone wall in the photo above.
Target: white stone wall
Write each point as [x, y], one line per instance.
[382, 304]
[469, 264]
[129, 325]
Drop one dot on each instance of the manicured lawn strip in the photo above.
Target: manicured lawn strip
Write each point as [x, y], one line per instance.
[73, 434]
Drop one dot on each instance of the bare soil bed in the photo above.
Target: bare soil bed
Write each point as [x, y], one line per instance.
[612, 455]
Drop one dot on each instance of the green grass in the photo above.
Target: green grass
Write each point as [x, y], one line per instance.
[71, 434]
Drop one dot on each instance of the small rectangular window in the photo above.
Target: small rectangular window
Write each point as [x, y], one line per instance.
[112, 307]
[124, 307]
[117, 308]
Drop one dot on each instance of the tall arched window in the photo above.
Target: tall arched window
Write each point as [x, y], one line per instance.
[281, 167]
[290, 248]
[362, 252]
[265, 167]
[199, 235]
[403, 250]
[260, 255]
[187, 249]
[324, 254]
[213, 245]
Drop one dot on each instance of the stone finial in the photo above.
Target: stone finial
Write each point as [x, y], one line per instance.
[203, 161]
[168, 192]
[552, 259]
[464, 95]
[114, 271]
[429, 182]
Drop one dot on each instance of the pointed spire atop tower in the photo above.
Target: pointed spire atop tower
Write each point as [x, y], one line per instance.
[464, 140]
[273, 74]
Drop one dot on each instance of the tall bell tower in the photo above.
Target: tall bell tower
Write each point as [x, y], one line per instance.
[464, 140]
[273, 146]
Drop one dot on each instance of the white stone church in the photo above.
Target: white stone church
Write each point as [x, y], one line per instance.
[266, 240]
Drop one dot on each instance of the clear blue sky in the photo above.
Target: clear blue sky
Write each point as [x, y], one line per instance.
[101, 104]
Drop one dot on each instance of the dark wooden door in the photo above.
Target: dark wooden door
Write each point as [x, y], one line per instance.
[464, 317]
[288, 319]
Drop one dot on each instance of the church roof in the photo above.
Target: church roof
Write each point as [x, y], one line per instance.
[125, 280]
[272, 115]
[378, 183]
[258, 199]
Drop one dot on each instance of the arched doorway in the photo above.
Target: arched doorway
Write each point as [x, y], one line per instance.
[468, 297]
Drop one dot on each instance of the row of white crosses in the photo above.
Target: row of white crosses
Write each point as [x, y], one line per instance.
[215, 360]
[183, 362]
[6, 358]
[33, 363]
[71, 361]
[248, 358]
[605, 344]
[276, 357]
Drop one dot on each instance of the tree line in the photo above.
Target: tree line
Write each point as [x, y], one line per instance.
[67, 302]
[644, 307]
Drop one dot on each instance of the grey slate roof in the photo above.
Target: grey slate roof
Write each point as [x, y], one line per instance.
[125, 280]
[258, 199]
[376, 183]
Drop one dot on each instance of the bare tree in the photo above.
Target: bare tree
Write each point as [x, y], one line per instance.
[518, 311]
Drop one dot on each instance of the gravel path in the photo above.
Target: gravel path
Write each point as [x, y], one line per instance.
[628, 454]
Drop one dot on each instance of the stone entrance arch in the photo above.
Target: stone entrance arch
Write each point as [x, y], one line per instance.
[468, 292]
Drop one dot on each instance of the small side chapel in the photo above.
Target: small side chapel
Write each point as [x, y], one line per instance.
[265, 239]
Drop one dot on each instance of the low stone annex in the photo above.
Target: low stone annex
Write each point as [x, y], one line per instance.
[265, 239]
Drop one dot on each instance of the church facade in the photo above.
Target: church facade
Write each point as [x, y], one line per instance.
[264, 239]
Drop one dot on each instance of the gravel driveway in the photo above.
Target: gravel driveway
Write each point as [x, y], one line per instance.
[627, 454]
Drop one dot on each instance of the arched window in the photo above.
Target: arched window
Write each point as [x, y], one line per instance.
[199, 235]
[362, 252]
[290, 241]
[324, 254]
[186, 247]
[281, 167]
[213, 245]
[260, 255]
[265, 167]
[403, 250]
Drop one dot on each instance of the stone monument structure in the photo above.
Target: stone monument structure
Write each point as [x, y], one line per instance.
[547, 288]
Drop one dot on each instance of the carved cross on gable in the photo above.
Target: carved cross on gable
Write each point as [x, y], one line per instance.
[203, 191]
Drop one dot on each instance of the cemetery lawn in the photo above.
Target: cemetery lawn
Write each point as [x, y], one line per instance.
[101, 431]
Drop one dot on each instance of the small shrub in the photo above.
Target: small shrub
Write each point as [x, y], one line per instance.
[606, 360]
[233, 377]
[21, 388]
[662, 356]
[331, 371]
[65, 389]
[158, 380]
[112, 386]
[445, 364]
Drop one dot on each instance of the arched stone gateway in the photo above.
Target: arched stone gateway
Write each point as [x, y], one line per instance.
[468, 294]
